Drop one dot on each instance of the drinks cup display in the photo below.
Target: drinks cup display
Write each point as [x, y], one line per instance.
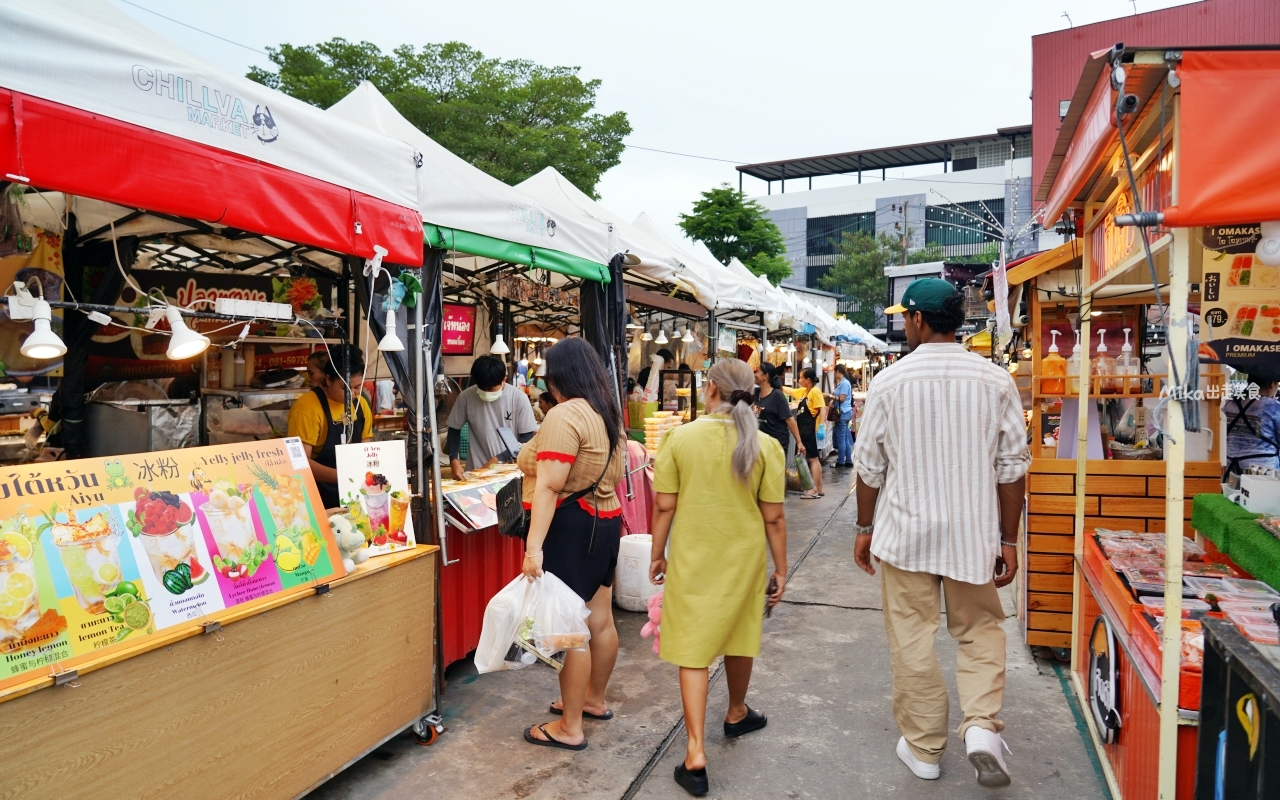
[231, 526]
[399, 510]
[19, 597]
[287, 503]
[377, 505]
[166, 551]
[90, 553]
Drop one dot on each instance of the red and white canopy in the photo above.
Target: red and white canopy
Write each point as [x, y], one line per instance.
[94, 104]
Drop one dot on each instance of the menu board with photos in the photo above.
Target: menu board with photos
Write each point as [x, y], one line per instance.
[373, 483]
[101, 554]
[1240, 301]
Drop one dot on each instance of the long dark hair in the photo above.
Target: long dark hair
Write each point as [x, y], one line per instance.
[574, 370]
[771, 372]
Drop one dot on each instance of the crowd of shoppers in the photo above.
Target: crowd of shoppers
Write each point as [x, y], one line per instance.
[939, 515]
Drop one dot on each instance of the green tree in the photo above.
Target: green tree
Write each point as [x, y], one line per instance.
[511, 119]
[858, 270]
[731, 226]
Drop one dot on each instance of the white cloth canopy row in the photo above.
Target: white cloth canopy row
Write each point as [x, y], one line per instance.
[548, 211]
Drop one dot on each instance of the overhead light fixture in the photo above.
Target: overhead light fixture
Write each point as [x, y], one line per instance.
[646, 336]
[499, 347]
[43, 343]
[390, 342]
[768, 346]
[632, 324]
[184, 343]
[662, 336]
[688, 335]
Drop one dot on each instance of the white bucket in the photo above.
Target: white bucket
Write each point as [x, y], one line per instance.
[631, 587]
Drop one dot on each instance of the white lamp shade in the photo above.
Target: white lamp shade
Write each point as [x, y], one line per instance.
[390, 342]
[646, 336]
[499, 347]
[184, 343]
[43, 343]
[688, 335]
[662, 336]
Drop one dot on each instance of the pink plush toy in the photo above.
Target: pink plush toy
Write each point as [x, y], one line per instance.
[651, 628]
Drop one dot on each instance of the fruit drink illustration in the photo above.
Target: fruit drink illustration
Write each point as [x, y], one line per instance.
[90, 552]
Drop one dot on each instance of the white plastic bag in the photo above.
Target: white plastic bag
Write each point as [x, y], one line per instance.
[531, 621]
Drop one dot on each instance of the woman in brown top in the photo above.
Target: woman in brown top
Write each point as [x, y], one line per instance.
[580, 444]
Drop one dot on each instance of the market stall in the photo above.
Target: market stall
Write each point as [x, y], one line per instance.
[115, 567]
[1159, 160]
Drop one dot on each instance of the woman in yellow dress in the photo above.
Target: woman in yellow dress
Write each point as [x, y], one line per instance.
[728, 481]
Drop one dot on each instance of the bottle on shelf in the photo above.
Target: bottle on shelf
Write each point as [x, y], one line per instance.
[1073, 368]
[1053, 366]
[1127, 364]
[1104, 364]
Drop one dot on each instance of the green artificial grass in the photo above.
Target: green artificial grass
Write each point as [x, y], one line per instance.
[1255, 550]
[1213, 514]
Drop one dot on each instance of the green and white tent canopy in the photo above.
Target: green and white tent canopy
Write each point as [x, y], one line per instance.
[467, 210]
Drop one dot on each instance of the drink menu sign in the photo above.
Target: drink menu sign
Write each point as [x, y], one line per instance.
[98, 555]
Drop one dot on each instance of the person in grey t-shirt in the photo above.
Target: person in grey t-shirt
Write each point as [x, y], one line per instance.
[487, 404]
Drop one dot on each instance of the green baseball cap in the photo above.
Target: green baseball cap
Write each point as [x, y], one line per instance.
[926, 294]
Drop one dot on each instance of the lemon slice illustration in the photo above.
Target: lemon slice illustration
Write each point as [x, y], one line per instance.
[19, 585]
[19, 544]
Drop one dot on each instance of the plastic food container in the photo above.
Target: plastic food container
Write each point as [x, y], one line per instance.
[1191, 607]
[1203, 586]
[1230, 607]
[1244, 586]
[1260, 628]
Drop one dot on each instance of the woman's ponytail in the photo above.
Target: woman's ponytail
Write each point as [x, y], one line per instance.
[734, 380]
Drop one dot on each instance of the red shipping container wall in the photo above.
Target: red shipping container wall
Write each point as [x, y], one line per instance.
[1057, 58]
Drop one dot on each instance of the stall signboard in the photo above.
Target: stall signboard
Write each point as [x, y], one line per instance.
[853, 352]
[1240, 300]
[459, 330]
[373, 482]
[99, 555]
[1104, 684]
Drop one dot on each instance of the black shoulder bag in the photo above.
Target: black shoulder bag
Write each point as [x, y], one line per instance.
[513, 519]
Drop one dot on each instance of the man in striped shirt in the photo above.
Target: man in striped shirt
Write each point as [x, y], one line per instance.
[941, 460]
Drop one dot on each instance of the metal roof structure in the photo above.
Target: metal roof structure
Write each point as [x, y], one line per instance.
[880, 158]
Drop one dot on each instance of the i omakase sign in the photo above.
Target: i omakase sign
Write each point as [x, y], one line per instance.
[459, 324]
[99, 555]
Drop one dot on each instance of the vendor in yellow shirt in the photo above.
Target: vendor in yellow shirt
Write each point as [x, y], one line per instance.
[811, 414]
[316, 419]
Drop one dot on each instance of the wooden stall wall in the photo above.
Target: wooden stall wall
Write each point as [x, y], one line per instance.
[1127, 495]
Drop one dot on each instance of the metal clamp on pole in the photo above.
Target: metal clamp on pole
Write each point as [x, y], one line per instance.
[1143, 219]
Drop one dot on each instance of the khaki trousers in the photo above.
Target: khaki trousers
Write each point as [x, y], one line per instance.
[974, 620]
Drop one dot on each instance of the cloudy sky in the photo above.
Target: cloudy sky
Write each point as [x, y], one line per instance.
[739, 82]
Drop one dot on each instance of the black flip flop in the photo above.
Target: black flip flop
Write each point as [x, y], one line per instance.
[605, 717]
[551, 741]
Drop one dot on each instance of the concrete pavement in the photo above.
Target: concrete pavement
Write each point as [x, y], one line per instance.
[822, 677]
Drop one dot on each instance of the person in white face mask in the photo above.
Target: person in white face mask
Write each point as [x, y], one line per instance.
[488, 404]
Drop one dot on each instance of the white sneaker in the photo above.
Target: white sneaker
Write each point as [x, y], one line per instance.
[983, 748]
[928, 772]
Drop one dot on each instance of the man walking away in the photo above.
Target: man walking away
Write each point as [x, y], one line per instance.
[844, 434]
[941, 461]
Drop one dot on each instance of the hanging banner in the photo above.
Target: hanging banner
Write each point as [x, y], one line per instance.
[373, 483]
[1240, 301]
[459, 336]
[97, 556]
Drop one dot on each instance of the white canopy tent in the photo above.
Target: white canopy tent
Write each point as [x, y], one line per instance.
[646, 254]
[100, 106]
[732, 294]
[465, 209]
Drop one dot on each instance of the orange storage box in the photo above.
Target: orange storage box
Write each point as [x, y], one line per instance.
[1147, 643]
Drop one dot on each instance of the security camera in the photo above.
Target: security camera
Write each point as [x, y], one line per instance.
[1128, 104]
